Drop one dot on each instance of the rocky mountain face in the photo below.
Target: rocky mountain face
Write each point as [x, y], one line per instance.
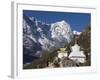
[84, 41]
[39, 37]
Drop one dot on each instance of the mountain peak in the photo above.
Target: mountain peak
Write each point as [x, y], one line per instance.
[32, 18]
[76, 32]
[63, 21]
[44, 37]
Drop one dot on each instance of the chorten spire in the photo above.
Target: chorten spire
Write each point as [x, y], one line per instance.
[75, 41]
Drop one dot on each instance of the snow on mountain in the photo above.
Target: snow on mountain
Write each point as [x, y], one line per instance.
[39, 37]
[61, 33]
[76, 32]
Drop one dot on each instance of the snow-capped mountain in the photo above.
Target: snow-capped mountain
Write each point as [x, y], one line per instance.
[39, 37]
[76, 32]
[61, 31]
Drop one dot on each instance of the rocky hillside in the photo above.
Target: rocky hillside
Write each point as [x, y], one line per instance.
[50, 59]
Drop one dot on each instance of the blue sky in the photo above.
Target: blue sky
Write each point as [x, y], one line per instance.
[77, 21]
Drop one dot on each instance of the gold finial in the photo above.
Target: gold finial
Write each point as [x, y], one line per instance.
[75, 41]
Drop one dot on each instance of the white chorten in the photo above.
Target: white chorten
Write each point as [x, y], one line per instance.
[62, 53]
[77, 55]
